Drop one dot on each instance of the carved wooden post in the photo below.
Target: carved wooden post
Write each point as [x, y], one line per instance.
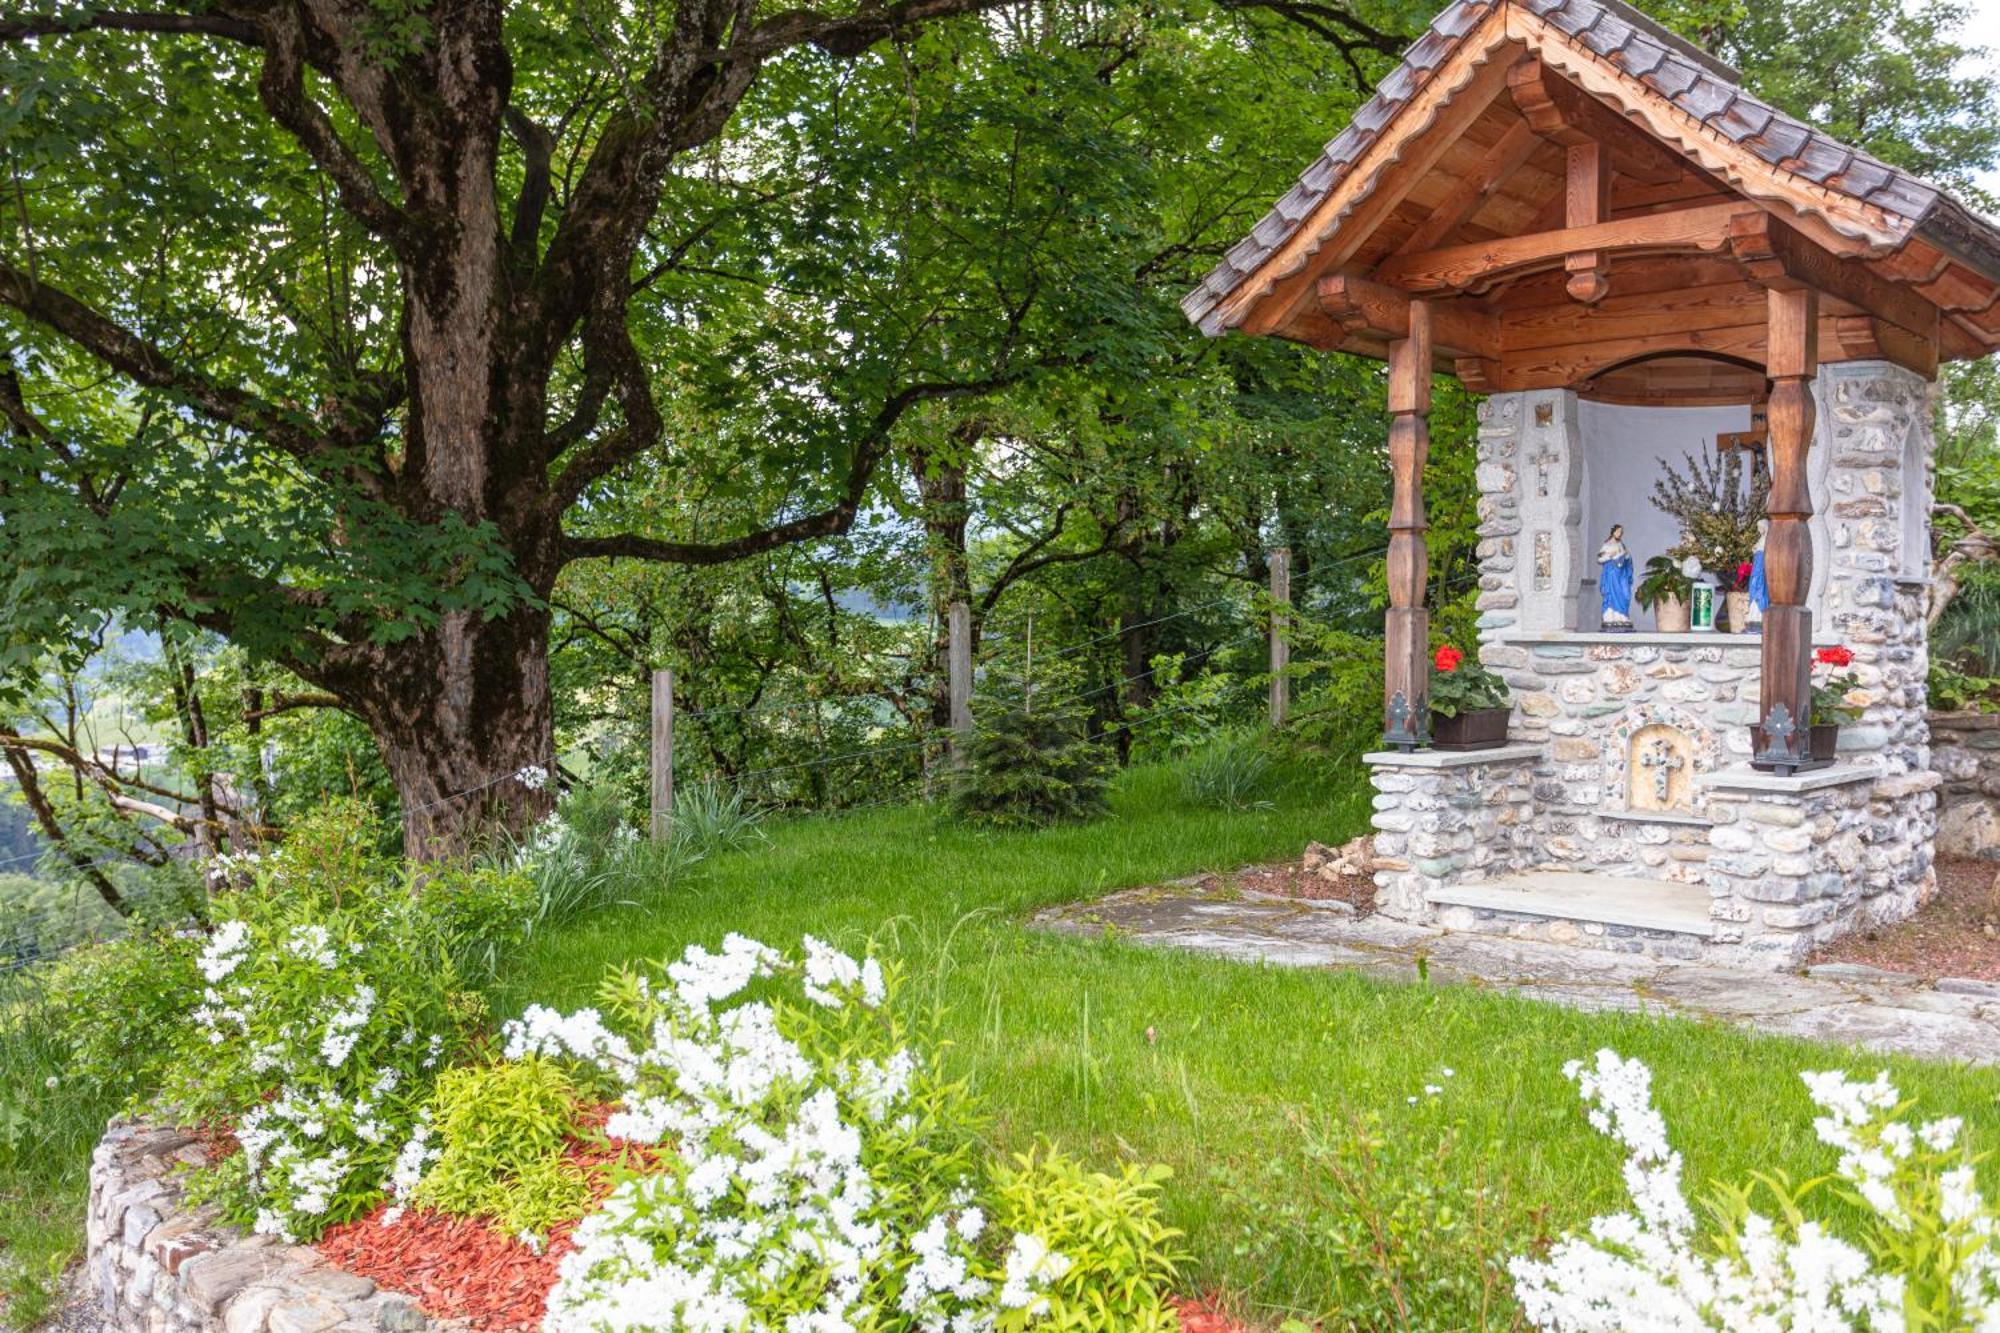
[1785, 700]
[1407, 632]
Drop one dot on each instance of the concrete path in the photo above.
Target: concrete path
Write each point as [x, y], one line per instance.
[1877, 1011]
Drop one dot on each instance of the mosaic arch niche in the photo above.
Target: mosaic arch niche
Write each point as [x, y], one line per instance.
[1654, 754]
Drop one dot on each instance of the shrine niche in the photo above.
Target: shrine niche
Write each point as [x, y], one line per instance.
[1592, 223]
[1659, 767]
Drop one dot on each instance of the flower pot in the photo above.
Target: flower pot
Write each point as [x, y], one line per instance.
[1822, 744]
[1475, 729]
[1670, 616]
[1737, 606]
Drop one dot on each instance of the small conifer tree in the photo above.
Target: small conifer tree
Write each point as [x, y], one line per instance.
[1032, 762]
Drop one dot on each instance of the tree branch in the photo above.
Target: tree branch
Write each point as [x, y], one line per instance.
[30, 26]
[281, 88]
[146, 365]
[828, 522]
[30, 783]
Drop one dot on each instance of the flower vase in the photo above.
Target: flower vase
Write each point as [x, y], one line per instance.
[1473, 729]
[1737, 606]
[1670, 616]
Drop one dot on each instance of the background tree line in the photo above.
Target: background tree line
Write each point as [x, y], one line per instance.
[736, 340]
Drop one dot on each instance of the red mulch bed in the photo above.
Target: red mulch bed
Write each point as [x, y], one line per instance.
[1955, 934]
[464, 1269]
[455, 1267]
[1291, 879]
[1205, 1315]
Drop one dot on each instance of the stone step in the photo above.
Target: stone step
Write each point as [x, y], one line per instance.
[1650, 916]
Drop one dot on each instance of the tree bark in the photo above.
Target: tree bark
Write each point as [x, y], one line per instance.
[463, 720]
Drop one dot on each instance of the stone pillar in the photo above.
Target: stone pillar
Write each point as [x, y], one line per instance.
[1875, 431]
[1443, 819]
[1498, 479]
[1550, 485]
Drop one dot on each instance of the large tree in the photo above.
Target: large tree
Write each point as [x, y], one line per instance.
[331, 322]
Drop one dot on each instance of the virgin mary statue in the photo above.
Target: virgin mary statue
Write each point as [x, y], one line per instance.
[1614, 580]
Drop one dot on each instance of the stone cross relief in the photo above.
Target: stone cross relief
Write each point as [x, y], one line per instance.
[1543, 459]
[1660, 769]
[1662, 758]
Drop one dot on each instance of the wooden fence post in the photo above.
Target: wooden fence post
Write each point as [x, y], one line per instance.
[1281, 647]
[663, 755]
[959, 662]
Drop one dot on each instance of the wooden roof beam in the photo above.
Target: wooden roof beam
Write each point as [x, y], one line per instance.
[1779, 258]
[1473, 189]
[1469, 267]
[1564, 114]
[1460, 327]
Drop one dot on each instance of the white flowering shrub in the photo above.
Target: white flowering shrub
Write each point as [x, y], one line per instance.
[1923, 1257]
[819, 1174]
[329, 1000]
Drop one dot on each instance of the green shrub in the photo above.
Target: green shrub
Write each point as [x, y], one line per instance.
[710, 817]
[588, 856]
[1121, 1255]
[501, 1133]
[1030, 769]
[119, 1005]
[1233, 771]
[331, 996]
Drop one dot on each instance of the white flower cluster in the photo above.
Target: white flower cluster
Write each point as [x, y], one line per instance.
[302, 1057]
[1643, 1269]
[768, 1215]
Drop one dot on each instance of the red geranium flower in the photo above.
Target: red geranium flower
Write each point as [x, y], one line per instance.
[1837, 657]
[1448, 658]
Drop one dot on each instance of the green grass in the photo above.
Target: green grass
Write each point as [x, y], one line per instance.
[1242, 1078]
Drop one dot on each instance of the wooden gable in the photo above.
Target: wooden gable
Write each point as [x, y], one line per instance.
[1583, 200]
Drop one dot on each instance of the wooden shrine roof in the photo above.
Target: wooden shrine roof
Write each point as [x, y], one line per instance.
[1451, 184]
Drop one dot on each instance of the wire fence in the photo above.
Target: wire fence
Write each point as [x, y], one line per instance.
[898, 769]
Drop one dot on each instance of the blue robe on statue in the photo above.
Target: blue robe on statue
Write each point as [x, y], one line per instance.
[1760, 591]
[1615, 583]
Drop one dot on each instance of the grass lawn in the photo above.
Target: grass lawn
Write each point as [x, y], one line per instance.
[1307, 1180]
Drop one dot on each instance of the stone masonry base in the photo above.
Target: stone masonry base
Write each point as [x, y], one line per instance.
[154, 1265]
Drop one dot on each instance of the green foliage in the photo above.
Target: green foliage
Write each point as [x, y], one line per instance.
[1123, 1256]
[712, 817]
[119, 1006]
[501, 1132]
[1663, 581]
[332, 996]
[1337, 708]
[1232, 771]
[1030, 769]
[588, 856]
[1716, 508]
[1412, 1244]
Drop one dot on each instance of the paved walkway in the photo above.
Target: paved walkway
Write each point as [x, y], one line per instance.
[1878, 1011]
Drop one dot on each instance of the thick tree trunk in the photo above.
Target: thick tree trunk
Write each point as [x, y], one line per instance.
[463, 720]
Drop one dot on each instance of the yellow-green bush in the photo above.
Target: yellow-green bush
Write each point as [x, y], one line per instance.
[1121, 1254]
[501, 1129]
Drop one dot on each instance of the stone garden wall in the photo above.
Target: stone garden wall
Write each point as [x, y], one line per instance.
[155, 1265]
[1965, 754]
